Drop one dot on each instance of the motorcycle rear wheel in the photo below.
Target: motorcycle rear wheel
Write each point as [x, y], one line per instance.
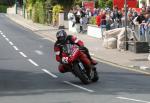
[96, 77]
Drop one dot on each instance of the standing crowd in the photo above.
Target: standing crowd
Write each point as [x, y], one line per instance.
[112, 18]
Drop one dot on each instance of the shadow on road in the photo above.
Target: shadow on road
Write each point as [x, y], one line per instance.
[114, 83]
[17, 83]
[14, 83]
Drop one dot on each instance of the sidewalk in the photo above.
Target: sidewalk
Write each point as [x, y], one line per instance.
[124, 59]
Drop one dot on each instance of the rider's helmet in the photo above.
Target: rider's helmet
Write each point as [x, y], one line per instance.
[61, 36]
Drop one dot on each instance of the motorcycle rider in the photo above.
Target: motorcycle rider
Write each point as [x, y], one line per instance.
[62, 40]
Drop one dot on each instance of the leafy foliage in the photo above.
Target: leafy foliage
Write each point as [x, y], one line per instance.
[93, 20]
[105, 3]
[7, 2]
[38, 13]
[38, 8]
[56, 10]
[3, 8]
[109, 3]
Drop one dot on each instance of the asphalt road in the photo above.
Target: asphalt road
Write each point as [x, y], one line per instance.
[28, 74]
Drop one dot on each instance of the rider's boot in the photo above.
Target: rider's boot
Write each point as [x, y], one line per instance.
[94, 62]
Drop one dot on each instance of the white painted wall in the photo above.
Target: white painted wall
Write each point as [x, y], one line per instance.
[94, 31]
[11, 10]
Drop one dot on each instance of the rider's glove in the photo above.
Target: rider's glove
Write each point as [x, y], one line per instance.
[65, 60]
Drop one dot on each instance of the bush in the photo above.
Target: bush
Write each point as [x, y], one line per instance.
[93, 20]
[38, 14]
[41, 13]
[56, 10]
[3, 8]
[35, 16]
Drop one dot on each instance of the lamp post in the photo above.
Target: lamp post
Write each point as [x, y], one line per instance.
[24, 3]
[16, 6]
[125, 2]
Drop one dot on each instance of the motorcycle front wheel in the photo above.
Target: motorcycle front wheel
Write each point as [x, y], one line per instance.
[81, 74]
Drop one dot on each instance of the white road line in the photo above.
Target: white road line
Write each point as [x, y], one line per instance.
[79, 86]
[136, 100]
[3, 35]
[11, 43]
[15, 48]
[34, 63]
[52, 40]
[39, 52]
[7, 39]
[23, 54]
[45, 38]
[53, 75]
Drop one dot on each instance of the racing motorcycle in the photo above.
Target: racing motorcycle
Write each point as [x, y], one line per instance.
[78, 68]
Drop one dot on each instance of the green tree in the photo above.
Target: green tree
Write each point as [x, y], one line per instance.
[56, 10]
[38, 12]
[105, 3]
[102, 3]
[77, 2]
[52, 2]
[67, 4]
[109, 3]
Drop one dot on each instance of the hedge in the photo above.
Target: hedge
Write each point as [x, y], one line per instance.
[38, 14]
[3, 9]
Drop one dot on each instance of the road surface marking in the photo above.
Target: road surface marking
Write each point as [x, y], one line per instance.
[3, 35]
[91, 91]
[39, 52]
[130, 99]
[11, 43]
[7, 39]
[53, 75]
[52, 40]
[45, 38]
[34, 63]
[15, 48]
[23, 54]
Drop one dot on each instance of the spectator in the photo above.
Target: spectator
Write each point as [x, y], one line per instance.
[108, 20]
[88, 15]
[146, 23]
[140, 18]
[98, 19]
[71, 17]
[148, 9]
[103, 19]
[77, 14]
[95, 12]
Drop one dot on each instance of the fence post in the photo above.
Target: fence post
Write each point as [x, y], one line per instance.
[16, 6]
[61, 21]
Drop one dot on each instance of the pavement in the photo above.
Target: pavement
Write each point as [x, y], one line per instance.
[123, 59]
